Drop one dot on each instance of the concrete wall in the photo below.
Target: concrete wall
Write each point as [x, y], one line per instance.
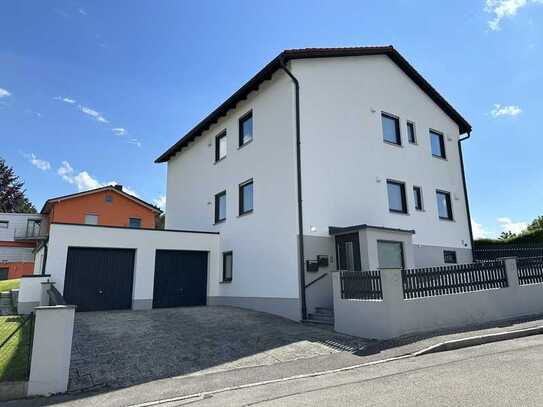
[17, 224]
[264, 242]
[145, 242]
[346, 163]
[30, 293]
[426, 256]
[51, 350]
[393, 316]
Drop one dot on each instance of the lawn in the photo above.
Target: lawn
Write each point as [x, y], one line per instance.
[6, 285]
[14, 353]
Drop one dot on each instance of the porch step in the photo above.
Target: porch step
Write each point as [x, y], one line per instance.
[321, 316]
[324, 311]
[315, 321]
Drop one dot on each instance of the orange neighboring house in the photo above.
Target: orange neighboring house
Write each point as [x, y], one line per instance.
[23, 234]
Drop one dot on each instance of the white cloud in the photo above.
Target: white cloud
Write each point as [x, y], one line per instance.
[505, 8]
[84, 181]
[160, 202]
[509, 226]
[478, 230]
[65, 99]
[93, 113]
[4, 93]
[135, 141]
[119, 131]
[83, 12]
[38, 163]
[502, 110]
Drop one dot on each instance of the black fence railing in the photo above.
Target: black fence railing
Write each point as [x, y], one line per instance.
[530, 270]
[493, 252]
[16, 337]
[55, 297]
[461, 278]
[361, 285]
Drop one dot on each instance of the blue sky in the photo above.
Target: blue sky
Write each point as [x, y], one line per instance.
[92, 92]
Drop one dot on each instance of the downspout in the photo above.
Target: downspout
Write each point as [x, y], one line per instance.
[465, 188]
[299, 181]
[44, 256]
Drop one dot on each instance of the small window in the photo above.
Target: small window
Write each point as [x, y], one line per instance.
[449, 256]
[134, 223]
[246, 129]
[417, 194]
[220, 207]
[227, 267]
[109, 198]
[91, 219]
[220, 146]
[444, 206]
[411, 133]
[396, 197]
[246, 197]
[390, 254]
[438, 144]
[391, 129]
[4, 224]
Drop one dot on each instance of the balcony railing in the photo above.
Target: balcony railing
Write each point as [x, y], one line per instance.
[30, 234]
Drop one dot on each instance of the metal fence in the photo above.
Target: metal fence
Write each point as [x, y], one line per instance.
[16, 335]
[361, 285]
[530, 270]
[493, 252]
[461, 278]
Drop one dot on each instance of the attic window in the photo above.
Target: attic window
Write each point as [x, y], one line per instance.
[109, 198]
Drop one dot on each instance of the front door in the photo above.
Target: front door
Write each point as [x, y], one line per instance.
[348, 252]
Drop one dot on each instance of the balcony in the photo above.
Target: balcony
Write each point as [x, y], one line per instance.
[34, 233]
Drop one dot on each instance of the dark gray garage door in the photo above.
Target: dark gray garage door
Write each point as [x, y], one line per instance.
[180, 278]
[99, 279]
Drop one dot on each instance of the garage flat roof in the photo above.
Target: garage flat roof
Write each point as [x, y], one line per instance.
[126, 227]
[336, 230]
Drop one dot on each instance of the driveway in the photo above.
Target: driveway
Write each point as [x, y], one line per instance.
[121, 348]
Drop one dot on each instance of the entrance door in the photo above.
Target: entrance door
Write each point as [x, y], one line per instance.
[99, 279]
[180, 278]
[4, 272]
[348, 252]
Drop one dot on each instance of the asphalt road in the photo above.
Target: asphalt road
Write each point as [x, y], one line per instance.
[508, 373]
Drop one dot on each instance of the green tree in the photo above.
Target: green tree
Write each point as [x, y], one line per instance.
[537, 224]
[12, 194]
[507, 235]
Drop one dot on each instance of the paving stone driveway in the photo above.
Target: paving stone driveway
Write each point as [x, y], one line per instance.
[121, 348]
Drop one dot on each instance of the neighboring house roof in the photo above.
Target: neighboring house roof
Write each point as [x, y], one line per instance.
[267, 72]
[113, 188]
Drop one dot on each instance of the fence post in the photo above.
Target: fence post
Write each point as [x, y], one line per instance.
[51, 350]
[45, 286]
[511, 271]
[392, 286]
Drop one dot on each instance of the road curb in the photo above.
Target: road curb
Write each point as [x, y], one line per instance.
[479, 340]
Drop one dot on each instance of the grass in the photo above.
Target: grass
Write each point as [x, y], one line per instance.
[14, 354]
[6, 285]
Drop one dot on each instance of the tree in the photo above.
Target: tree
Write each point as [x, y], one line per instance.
[507, 235]
[160, 220]
[537, 224]
[12, 194]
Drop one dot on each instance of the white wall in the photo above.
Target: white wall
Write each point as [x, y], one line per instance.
[146, 242]
[30, 293]
[17, 224]
[345, 163]
[264, 243]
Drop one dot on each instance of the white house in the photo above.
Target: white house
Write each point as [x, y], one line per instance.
[335, 158]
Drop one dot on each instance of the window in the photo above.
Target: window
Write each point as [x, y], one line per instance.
[391, 129]
[417, 193]
[220, 146]
[444, 207]
[33, 227]
[246, 197]
[246, 129]
[390, 254]
[134, 223]
[109, 198]
[227, 267]
[91, 219]
[396, 197]
[4, 224]
[449, 256]
[438, 144]
[411, 132]
[220, 207]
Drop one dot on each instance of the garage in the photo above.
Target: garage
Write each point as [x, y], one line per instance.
[99, 279]
[180, 278]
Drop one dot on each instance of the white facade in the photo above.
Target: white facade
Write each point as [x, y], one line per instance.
[345, 165]
[18, 228]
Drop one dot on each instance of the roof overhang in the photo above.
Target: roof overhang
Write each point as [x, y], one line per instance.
[338, 230]
[287, 55]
